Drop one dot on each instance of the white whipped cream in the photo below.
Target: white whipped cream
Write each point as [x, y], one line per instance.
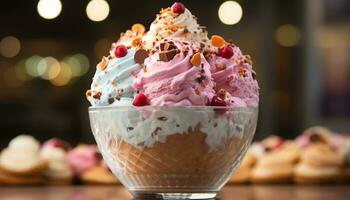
[58, 164]
[22, 154]
[186, 27]
[148, 128]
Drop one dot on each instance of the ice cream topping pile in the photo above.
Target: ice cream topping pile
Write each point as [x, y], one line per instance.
[174, 64]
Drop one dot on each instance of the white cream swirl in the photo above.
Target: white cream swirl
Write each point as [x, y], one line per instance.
[183, 26]
[22, 154]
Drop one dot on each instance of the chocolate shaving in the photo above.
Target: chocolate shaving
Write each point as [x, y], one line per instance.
[168, 51]
[155, 132]
[130, 128]
[164, 46]
[97, 95]
[162, 118]
[140, 56]
[110, 100]
[166, 56]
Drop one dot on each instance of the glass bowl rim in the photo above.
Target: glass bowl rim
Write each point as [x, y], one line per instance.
[195, 108]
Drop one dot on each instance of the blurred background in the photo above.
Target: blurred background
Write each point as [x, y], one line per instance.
[49, 50]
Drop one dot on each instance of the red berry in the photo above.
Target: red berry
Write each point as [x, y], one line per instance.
[226, 52]
[140, 100]
[217, 101]
[178, 8]
[120, 51]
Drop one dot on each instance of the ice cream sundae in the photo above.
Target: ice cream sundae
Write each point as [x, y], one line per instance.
[172, 110]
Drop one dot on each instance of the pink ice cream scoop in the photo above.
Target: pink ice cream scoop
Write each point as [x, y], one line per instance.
[236, 76]
[177, 81]
[83, 157]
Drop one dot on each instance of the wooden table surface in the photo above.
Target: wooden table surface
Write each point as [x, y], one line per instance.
[280, 192]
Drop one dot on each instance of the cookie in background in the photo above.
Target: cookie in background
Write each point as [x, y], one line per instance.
[345, 151]
[322, 160]
[89, 167]
[242, 174]
[21, 163]
[277, 163]
[59, 172]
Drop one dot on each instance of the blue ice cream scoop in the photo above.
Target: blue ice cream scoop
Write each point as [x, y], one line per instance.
[112, 81]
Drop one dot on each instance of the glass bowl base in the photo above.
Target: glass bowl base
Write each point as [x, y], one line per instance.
[177, 195]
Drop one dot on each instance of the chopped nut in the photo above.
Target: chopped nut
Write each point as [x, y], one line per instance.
[196, 59]
[88, 93]
[136, 42]
[197, 91]
[249, 59]
[217, 41]
[103, 64]
[222, 93]
[138, 28]
[219, 67]
[242, 72]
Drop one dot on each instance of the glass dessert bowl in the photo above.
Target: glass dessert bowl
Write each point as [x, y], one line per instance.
[173, 152]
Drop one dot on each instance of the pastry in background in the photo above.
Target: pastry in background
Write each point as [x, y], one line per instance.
[278, 162]
[243, 172]
[313, 135]
[12, 179]
[88, 165]
[100, 175]
[82, 158]
[59, 172]
[345, 151]
[20, 162]
[321, 161]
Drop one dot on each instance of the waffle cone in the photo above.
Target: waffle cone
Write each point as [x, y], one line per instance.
[183, 160]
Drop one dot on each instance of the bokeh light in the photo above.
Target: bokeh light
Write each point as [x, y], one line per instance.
[64, 76]
[97, 10]
[288, 35]
[49, 9]
[48, 68]
[9, 46]
[230, 12]
[78, 63]
[31, 65]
